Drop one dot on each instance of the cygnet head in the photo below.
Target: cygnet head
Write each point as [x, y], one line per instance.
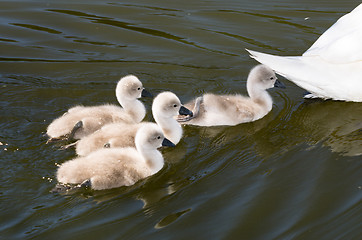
[262, 77]
[130, 88]
[168, 105]
[150, 137]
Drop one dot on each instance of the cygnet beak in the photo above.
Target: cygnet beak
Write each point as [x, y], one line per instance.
[279, 84]
[167, 143]
[185, 111]
[146, 93]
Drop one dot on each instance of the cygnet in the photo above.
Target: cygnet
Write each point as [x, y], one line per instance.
[80, 121]
[165, 107]
[213, 110]
[115, 167]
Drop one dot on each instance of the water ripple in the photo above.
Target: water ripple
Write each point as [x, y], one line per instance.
[132, 27]
[295, 173]
[37, 28]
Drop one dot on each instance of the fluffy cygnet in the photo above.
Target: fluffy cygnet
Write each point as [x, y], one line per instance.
[80, 121]
[213, 110]
[115, 167]
[165, 107]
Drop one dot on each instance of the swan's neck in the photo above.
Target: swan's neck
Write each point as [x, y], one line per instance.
[260, 97]
[153, 158]
[170, 128]
[133, 107]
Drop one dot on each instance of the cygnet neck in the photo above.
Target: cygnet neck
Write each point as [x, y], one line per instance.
[134, 107]
[152, 157]
[258, 94]
[170, 127]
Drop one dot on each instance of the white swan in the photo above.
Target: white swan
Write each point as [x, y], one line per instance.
[332, 67]
[80, 121]
[213, 110]
[165, 107]
[115, 167]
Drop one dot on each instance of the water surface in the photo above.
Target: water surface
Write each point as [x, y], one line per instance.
[295, 174]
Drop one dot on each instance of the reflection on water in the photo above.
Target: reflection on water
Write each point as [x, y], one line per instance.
[337, 125]
[170, 219]
[276, 178]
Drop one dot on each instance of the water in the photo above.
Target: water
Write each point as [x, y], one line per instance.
[295, 174]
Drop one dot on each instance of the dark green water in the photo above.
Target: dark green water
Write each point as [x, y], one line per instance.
[295, 174]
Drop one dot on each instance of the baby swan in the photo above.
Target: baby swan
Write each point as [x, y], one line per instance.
[214, 110]
[115, 167]
[165, 107]
[80, 121]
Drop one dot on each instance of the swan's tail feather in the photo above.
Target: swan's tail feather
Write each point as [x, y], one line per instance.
[279, 64]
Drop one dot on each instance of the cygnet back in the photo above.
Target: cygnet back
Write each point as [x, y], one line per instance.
[165, 107]
[81, 121]
[115, 167]
[213, 110]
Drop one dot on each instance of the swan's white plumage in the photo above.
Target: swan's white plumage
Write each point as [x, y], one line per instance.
[332, 67]
[128, 90]
[214, 110]
[114, 167]
[341, 43]
[165, 107]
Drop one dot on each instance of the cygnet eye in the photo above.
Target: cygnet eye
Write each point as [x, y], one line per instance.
[158, 137]
[138, 88]
[175, 105]
[271, 78]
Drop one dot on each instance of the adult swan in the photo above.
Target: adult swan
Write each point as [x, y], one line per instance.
[332, 67]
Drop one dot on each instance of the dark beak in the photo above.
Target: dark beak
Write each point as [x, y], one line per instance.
[167, 143]
[146, 93]
[185, 111]
[279, 84]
